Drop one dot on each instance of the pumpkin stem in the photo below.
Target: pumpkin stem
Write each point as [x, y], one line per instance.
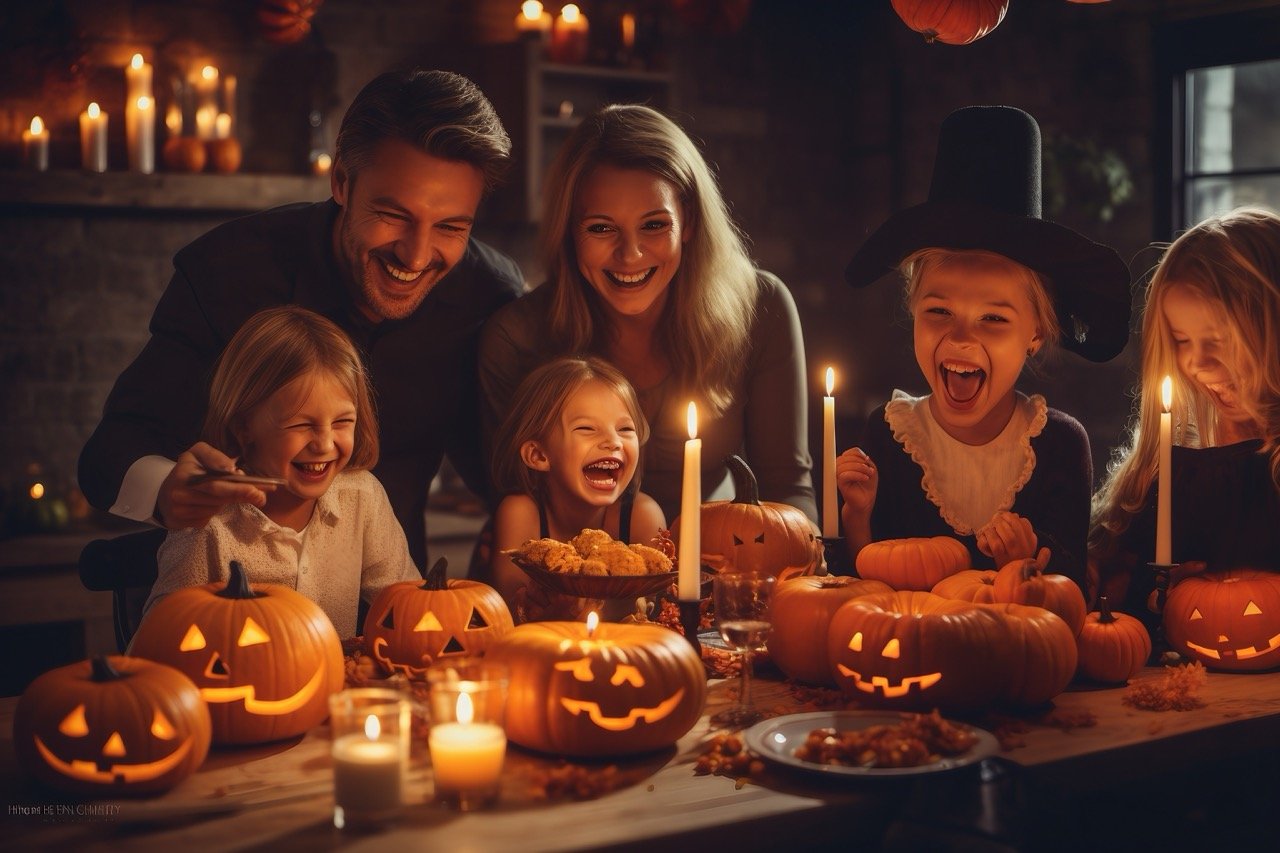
[1030, 569]
[238, 584]
[437, 578]
[1105, 616]
[103, 670]
[745, 488]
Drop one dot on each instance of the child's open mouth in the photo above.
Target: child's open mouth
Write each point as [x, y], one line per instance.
[313, 470]
[603, 473]
[961, 381]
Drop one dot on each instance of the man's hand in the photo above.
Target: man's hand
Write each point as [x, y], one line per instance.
[180, 506]
[1007, 537]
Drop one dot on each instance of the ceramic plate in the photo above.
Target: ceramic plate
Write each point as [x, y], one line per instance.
[777, 740]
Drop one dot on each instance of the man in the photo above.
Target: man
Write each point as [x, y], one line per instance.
[389, 259]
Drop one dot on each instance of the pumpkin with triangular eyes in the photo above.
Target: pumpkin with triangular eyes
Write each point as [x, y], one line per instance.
[1227, 620]
[410, 625]
[265, 657]
[111, 727]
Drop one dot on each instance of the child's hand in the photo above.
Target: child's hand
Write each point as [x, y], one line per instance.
[1007, 537]
[857, 480]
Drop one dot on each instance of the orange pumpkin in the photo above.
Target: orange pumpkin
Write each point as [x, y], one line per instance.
[111, 727]
[916, 563]
[801, 612]
[265, 657]
[1025, 582]
[1043, 654]
[1113, 646]
[409, 625]
[1227, 620]
[975, 585]
[951, 21]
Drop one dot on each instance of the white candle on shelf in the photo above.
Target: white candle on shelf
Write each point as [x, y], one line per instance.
[93, 139]
[1164, 511]
[137, 75]
[140, 133]
[466, 756]
[206, 122]
[35, 145]
[229, 101]
[222, 126]
[830, 507]
[690, 550]
[533, 20]
[569, 36]
[367, 772]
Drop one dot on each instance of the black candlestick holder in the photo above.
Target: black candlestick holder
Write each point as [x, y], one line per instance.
[690, 620]
[1162, 573]
[836, 552]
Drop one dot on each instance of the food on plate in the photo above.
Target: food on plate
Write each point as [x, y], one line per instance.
[919, 739]
[592, 552]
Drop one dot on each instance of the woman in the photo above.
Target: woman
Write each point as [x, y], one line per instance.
[646, 270]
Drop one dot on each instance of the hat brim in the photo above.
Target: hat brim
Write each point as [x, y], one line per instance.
[1089, 282]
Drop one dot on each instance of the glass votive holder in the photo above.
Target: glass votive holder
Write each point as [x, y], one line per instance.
[467, 698]
[370, 754]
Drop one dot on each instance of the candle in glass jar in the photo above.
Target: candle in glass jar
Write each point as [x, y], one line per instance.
[569, 37]
[367, 771]
[1164, 495]
[35, 145]
[93, 139]
[140, 133]
[466, 756]
[690, 549]
[830, 507]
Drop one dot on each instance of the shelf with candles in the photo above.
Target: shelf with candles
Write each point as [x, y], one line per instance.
[73, 188]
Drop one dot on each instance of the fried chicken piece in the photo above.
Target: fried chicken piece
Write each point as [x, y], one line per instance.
[620, 559]
[593, 566]
[589, 540]
[563, 559]
[655, 562]
[536, 550]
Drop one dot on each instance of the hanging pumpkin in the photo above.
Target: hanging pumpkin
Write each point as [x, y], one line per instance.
[801, 612]
[951, 21]
[748, 535]
[1025, 582]
[916, 563]
[111, 727]
[1043, 654]
[410, 625]
[286, 21]
[1113, 646]
[975, 585]
[618, 690]
[265, 657]
[1227, 620]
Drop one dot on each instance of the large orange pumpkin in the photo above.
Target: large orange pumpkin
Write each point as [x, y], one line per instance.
[801, 612]
[409, 625]
[1113, 646]
[951, 21]
[111, 727]
[265, 657]
[915, 563]
[1025, 582]
[975, 585]
[621, 690]
[1043, 654]
[1226, 620]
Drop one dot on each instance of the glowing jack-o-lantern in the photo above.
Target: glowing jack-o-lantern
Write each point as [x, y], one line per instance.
[111, 727]
[410, 625]
[265, 657]
[1226, 620]
[613, 689]
[801, 611]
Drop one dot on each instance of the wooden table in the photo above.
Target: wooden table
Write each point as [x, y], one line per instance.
[279, 796]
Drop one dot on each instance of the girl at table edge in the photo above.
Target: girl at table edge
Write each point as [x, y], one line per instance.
[290, 398]
[646, 269]
[1210, 323]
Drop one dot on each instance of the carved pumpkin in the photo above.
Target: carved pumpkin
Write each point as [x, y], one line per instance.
[1025, 582]
[1042, 651]
[918, 650]
[111, 727]
[951, 21]
[747, 535]
[916, 563]
[265, 658]
[1226, 620]
[286, 21]
[975, 585]
[801, 613]
[409, 625]
[621, 690]
[1113, 646]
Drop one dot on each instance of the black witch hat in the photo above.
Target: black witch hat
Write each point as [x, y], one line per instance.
[985, 194]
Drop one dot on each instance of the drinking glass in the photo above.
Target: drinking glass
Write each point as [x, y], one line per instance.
[742, 615]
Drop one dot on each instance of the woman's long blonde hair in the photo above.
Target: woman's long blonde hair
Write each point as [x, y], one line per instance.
[709, 313]
[1233, 263]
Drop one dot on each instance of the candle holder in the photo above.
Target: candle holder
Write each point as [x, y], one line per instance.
[836, 553]
[690, 620]
[370, 751]
[468, 698]
[1162, 573]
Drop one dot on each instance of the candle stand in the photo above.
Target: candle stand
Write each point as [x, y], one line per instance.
[836, 553]
[1159, 644]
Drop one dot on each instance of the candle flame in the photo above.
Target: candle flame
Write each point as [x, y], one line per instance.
[466, 709]
[831, 380]
[1166, 393]
[94, 110]
[136, 62]
[570, 13]
[144, 103]
[593, 622]
[531, 10]
[209, 72]
[37, 125]
[36, 491]
[692, 420]
[173, 120]
[372, 728]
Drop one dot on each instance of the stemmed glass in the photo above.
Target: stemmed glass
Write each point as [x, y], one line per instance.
[742, 615]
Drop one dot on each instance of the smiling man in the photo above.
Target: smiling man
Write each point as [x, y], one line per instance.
[390, 259]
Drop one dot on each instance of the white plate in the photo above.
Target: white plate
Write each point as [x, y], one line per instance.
[777, 740]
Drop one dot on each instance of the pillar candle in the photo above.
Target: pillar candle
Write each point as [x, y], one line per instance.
[137, 75]
[569, 37]
[93, 139]
[830, 506]
[628, 31]
[35, 145]
[229, 101]
[222, 126]
[206, 122]
[1164, 514]
[533, 20]
[690, 551]
[206, 88]
[140, 133]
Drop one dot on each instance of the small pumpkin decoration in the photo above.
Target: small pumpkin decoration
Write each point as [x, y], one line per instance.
[916, 563]
[184, 154]
[110, 727]
[1043, 654]
[951, 21]
[801, 612]
[750, 535]
[410, 625]
[265, 657]
[1227, 620]
[615, 689]
[286, 21]
[1025, 582]
[224, 155]
[1113, 646]
[974, 585]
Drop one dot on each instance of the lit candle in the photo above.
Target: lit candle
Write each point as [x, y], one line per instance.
[206, 86]
[173, 119]
[93, 139]
[569, 37]
[466, 756]
[35, 145]
[690, 554]
[1164, 514]
[321, 164]
[206, 121]
[137, 75]
[830, 507]
[140, 133]
[229, 101]
[628, 31]
[367, 772]
[222, 126]
[533, 19]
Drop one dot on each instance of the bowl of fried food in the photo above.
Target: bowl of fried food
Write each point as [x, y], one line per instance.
[594, 565]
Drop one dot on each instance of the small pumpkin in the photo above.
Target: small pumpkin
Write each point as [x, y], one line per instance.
[1227, 620]
[801, 612]
[224, 155]
[975, 585]
[1113, 646]
[265, 657]
[410, 625]
[915, 563]
[110, 727]
[286, 21]
[951, 21]
[184, 154]
[1043, 654]
[1025, 582]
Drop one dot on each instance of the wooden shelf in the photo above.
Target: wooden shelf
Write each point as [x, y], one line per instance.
[605, 72]
[161, 191]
